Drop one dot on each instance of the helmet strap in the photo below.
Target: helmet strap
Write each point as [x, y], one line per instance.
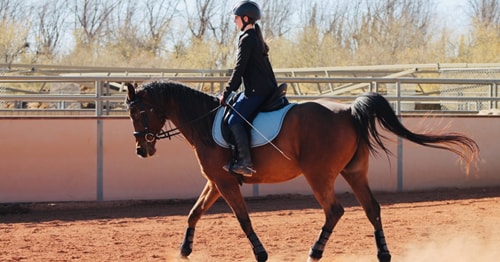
[245, 24]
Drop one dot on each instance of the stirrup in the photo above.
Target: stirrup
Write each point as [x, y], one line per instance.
[240, 170]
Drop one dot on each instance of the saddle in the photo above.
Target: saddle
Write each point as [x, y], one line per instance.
[277, 99]
[275, 102]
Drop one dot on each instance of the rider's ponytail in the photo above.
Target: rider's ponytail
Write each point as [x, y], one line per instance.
[265, 47]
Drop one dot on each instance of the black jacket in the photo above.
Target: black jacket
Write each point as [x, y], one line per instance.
[252, 67]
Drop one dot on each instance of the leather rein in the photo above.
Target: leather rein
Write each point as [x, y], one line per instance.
[151, 137]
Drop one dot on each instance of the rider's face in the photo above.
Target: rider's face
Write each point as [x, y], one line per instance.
[238, 22]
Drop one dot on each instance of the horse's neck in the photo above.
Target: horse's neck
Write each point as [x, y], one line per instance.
[193, 117]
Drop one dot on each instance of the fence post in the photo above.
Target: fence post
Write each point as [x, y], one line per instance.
[400, 140]
[255, 190]
[493, 93]
[99, 136]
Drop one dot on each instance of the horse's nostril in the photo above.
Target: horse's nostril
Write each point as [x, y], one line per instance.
[140, 151]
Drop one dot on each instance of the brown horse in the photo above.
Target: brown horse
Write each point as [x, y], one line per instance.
[321, 140]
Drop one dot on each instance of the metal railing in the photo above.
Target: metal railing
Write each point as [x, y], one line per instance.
[459, 96]
[449, 95]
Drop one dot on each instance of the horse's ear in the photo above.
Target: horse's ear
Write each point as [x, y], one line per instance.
[131, 91]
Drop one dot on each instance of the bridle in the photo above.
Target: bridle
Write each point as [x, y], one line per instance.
[151, 137]
[146, 133]
[148, 136]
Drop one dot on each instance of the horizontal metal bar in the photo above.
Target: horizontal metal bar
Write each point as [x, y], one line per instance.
[387, 80]
[443, 98]
[369, 68]
[32, 97]
[403, 98]
[66, 68]
[211, 79]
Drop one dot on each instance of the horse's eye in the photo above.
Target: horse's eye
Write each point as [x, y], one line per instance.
[134, 114]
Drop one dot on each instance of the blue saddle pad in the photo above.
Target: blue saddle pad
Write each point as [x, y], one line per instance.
[268, 125]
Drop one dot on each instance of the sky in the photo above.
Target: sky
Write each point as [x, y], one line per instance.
[452, 12]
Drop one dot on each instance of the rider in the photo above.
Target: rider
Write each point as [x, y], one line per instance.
[254, 69]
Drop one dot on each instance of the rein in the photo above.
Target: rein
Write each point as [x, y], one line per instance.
[175, 131]
[150, 137]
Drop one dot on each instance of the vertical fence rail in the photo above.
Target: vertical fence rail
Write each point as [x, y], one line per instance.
[400, 140]
[494, 93]
[100, 142]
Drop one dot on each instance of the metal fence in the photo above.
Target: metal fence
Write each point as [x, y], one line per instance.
[103, 96]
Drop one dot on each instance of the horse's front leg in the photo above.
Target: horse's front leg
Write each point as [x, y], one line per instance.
[207, 198]
[232, 194]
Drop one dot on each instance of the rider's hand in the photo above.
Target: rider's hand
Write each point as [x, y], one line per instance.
[224, 97]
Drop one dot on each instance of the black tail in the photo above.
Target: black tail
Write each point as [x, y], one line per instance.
[370, 106]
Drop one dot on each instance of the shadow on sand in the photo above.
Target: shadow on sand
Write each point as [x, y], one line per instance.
[76, 211]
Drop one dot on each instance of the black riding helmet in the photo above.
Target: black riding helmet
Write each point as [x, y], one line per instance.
[249, 9]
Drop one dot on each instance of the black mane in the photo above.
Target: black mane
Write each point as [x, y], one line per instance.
[193, 107]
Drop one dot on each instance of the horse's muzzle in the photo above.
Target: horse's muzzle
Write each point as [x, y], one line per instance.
[145, 151]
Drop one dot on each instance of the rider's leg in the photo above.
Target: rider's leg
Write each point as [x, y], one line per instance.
[244, 110]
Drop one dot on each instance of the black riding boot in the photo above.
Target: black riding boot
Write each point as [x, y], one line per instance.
[243, 165]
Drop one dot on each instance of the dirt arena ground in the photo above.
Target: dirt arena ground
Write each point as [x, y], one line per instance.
[440, 225]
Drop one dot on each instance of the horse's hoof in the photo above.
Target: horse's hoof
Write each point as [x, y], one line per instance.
[185, 253]
[310, 259]
[384, 257]
[261, 256]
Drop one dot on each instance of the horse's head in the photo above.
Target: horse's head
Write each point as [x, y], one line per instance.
[147, 121]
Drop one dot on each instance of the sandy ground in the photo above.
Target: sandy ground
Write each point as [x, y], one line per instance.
[440, 225]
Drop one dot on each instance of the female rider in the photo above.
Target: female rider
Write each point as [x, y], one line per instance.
[254, 69]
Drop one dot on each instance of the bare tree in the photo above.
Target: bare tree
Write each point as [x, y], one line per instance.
[277, 17]
[123, 30]
[13, 10]
[199, 19]
[485, 12]
[92, 18]
[483, 41]
[15, 25]
[330, 17]
[51, 18]
[159, 15]
[389, 27]
[142, 26]
[224, 32]
[222, 26]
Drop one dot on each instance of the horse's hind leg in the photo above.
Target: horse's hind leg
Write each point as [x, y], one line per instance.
[372, 210]
[325, 195]
[356, 175]
[206, 199]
